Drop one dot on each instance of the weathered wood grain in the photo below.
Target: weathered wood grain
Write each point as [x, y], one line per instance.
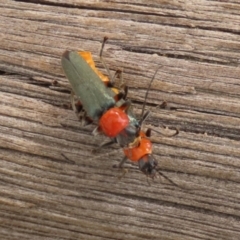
[46, 196]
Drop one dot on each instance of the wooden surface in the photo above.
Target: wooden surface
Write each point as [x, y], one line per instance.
[45, 196]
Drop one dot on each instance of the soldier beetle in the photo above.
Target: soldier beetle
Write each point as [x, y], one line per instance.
[105, 105]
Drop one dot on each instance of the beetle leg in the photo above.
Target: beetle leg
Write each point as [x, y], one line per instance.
[73, 103]
[109, 143]
[125, 92]
[124, 172]
[62, 85]
[120, 167]
[166, 135]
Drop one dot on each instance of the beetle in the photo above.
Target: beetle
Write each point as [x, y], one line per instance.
[107, 106]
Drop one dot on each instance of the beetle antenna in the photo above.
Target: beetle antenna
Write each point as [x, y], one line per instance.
[146, 95]
[169, 180]
[67, 159]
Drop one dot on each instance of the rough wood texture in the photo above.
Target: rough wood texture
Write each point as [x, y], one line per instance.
[45, 196]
